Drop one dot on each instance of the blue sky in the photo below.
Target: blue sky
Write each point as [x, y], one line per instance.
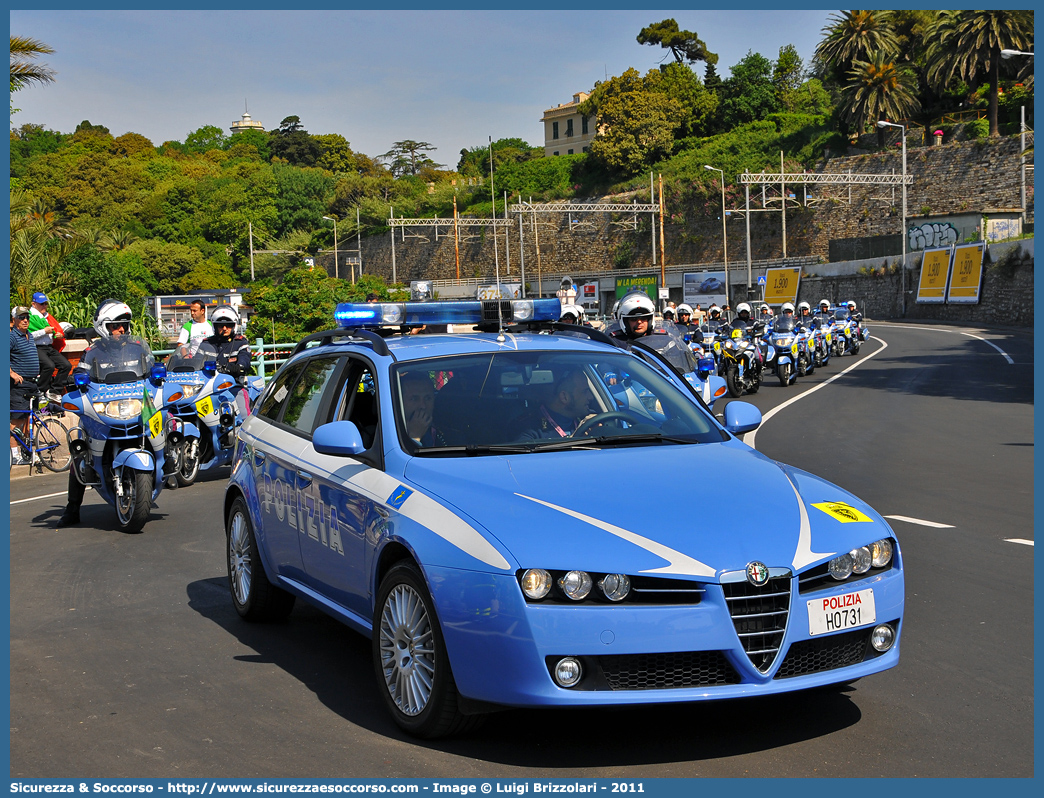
[451, 78]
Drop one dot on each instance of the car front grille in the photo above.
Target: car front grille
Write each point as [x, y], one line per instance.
[760, 617]
[825, 653]
[667, 671]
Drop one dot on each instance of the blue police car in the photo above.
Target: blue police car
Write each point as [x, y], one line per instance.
[482, 506]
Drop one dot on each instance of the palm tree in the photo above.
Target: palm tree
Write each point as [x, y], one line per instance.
[24, 70]
[854, 36]
[878, 89]
[39, 241]
[966, 45]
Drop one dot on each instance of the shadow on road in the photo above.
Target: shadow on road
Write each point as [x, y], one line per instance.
[334, 663]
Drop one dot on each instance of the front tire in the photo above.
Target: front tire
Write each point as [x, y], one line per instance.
[132, 508]
[188, 467]
[52, 445]
[783, 372]
[410, 660]
[732, 379]
[254, 597]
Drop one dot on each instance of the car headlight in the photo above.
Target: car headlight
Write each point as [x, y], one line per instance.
[536, 583]
[615, 586]
[576, 585]
[122, 408]
[858, 561]
[190, 390]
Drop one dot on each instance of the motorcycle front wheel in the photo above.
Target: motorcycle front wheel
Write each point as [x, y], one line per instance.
[132, 508]
[784, 374]
[732, 379]
[189, 466]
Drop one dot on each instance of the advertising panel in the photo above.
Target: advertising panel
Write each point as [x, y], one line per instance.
[704, 289]
[645, 284]
[781, 285]
[935, 273]
[966, 274]
[587, 296]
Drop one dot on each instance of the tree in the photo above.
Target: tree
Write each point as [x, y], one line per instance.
[749, 93]
[474, 162]
[966, 45]
[638, 123]
[711, 79]
[685, 46]
[336, 153]
[878, 89]
[787, 75]
[291, 143]
[206, 138]
[853, 36]
[24, 68]
[406, 158]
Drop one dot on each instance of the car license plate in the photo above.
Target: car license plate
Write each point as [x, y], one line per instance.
[837, 613]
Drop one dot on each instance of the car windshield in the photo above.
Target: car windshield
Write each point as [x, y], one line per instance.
[184, 358]
[113, 360]
[520, 402]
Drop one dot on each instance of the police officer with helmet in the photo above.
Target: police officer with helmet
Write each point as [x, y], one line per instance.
[233, 349]
[635, 316]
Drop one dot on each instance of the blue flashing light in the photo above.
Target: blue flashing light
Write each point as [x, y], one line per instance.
[462, 311]
[210, 368]
[157, 374]
[82, 379]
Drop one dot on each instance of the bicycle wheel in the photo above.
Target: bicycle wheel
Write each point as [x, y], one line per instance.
[51, 445]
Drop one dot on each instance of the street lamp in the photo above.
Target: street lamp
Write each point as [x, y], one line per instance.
[902, 266]
[332, 219]
[724, 237]
[1006, 54]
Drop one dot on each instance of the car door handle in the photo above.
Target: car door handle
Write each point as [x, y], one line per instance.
[259, 457]
[304, 479]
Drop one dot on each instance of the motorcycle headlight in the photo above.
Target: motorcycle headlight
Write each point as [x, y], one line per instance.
[190, 390]
[123, 408]
[787, 341]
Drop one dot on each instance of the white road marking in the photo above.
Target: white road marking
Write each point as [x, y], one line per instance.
[1023, 541]
[748, 438]
[920, 521]
[956, 332]
[34, 498]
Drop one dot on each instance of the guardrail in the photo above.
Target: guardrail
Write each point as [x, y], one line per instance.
[280, 353]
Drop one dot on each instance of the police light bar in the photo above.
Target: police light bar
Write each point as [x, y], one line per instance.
[469, 311]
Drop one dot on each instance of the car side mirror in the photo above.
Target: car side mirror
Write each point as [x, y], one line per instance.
[741, 417]
[341, 439]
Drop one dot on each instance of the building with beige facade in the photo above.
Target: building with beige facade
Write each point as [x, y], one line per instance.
[566, 130]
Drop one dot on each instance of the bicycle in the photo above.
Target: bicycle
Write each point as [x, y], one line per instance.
[48, 444]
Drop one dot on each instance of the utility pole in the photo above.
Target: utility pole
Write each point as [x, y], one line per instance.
[250, 229]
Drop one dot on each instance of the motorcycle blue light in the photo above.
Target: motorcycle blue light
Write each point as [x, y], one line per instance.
[158, 373]
[210, 368]
[82, 379]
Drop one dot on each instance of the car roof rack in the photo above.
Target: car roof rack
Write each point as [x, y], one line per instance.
[356, 333]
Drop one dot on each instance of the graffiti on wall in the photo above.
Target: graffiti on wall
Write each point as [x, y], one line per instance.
[931, 235]
[1003, 229]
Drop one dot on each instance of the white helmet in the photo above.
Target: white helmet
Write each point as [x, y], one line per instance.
[572, 311]
[225, 314]
[851, 304]
[109, 311]
[804, 306]
[635, 306]
[683, 308]
[787, 306]
[824, 303]
[764, 308]
[742, 306]
[713, 309]
[668, 312]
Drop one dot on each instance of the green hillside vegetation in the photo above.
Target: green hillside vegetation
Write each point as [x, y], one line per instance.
[96, 215]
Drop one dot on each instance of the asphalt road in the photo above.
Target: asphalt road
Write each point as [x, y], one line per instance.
[127, 659]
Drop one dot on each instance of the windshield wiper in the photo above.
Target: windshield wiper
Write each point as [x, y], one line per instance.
[475, 449]
[608, 440]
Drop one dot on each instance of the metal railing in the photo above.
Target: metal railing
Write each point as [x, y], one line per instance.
[280, 353]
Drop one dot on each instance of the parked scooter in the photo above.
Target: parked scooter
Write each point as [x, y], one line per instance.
[207, 407]
[119, 446]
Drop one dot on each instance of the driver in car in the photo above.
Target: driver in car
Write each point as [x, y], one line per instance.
[564, 413]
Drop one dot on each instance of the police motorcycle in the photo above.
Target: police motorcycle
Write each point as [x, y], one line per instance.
[671, 345]
[848, 333]
[819, 333]
[743, 359]
[782, 354]
[206, 408]
[121, 442]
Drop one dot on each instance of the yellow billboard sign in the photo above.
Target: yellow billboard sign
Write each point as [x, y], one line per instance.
[935, 273]
[781, 285]
[966, 279]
